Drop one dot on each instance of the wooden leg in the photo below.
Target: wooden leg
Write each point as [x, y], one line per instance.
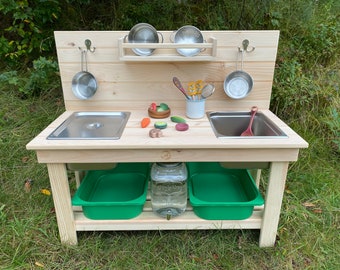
[256, 174]
[272, 208]
[62, 203]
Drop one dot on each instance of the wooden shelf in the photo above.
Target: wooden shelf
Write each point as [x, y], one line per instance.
[147, 220]
[167, 51]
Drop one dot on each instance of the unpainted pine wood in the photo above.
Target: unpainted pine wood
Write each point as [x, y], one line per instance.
[273, 199]
[171, 155]
[149, 221]
[134, 84]
[62, 202]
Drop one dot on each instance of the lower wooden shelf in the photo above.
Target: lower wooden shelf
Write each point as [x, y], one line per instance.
[147, 220]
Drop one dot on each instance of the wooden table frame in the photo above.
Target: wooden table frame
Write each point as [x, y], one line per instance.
[70, 220]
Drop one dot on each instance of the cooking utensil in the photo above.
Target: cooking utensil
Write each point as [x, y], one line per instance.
[84, 84]
[178, 84]
[192, 92]
[239, 83]
[207, 90]
[188, 34]
[248, 131]
[143, 33]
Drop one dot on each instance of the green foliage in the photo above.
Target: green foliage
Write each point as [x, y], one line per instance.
[27, 29]
[333, 123]
[306, 77]
[43, 77]
[295, 91]
[309, 31]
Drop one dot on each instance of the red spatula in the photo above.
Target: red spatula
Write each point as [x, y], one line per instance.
[248, 131]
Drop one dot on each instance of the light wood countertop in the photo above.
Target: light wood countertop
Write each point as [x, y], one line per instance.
[199, 135]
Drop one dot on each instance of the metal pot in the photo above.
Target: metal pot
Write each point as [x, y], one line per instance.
[143, 33]
[188, 34]
[239, 83]
[84, 84]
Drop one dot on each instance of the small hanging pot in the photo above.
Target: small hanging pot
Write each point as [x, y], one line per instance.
[238, 84]
[84, 84]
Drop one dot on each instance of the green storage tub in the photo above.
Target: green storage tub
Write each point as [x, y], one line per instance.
[119, 193]
[217, 193]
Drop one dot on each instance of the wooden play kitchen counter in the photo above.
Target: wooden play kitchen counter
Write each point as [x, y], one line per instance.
[130, 83]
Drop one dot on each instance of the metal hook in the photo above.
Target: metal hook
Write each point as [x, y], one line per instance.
[88, 46]
[245, 47]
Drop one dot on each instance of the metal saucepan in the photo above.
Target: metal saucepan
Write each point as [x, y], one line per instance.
[84, 84]
[239, 83]
[188, 34]
[143, 33]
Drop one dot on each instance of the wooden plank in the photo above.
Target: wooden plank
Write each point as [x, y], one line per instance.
[136, 138]
[161, 155]
[161, 72]
[108, 39]
[111, 55]
[272, 209]
[124, 83]
[62, 203]
[149, 221]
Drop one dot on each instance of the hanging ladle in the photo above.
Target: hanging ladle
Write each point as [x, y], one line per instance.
[248, 131]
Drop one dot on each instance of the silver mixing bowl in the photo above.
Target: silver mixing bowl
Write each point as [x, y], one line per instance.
[143, 33]
[188, 34]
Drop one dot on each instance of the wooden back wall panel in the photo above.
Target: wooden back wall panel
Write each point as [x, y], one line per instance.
[135, 84]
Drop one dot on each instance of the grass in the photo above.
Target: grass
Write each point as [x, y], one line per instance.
[308, 235]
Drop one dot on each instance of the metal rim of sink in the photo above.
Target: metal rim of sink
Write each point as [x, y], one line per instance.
[221, 121]
[91, 126]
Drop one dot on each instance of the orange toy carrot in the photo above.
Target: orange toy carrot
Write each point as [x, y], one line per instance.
[145, 122]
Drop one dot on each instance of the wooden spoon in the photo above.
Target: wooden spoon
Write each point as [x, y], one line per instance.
[248, 131]
[178, 84]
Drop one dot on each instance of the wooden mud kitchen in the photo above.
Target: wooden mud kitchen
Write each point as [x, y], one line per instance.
[129, 83]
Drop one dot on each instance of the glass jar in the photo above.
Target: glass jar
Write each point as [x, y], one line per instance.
[169, 188]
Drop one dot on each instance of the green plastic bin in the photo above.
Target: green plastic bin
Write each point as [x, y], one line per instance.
[217, 193]
[119, 193]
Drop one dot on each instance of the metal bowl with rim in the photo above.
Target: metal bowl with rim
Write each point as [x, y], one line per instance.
[238, 84]
[188, 34]
[143, 33]
[84, 84]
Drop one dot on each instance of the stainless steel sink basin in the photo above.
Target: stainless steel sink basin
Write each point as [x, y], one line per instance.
[91, 126]
[232, 124]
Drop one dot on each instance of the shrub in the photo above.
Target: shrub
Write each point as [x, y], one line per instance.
[43, 77]
[26, 29]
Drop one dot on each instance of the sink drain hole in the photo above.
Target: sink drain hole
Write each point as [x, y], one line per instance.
[94, 125]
